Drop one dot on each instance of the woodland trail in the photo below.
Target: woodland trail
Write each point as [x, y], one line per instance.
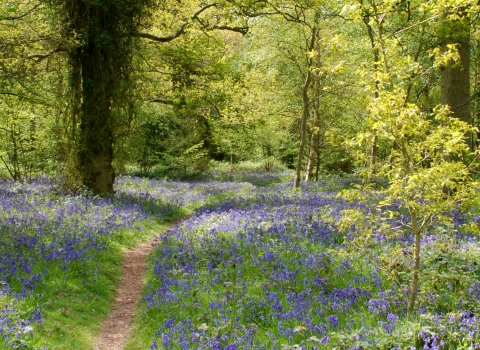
[118, 325]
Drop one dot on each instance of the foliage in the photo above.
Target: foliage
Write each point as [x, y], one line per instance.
[31, 91]
[427, 164]
[427, 179]
[178, 119]
[169, 86]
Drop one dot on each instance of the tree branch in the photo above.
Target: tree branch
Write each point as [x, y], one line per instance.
[242, 30]
[175, 35]
[13, 18]
[296, 17]
[164, 39]
[204, 8]
[8, 168]
[162, 101]
[40, 57]
[477, 154]
[474, 95]
[203, 23]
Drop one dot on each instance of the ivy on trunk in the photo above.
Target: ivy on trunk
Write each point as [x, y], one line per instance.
[102, 30]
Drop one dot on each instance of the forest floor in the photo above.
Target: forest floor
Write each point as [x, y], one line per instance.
[118, 325]
[228, 264]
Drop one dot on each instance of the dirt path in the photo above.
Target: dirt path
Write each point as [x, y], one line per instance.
[117, 326]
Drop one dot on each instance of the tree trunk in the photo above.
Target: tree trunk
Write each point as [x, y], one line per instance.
[312, 154]
[455, 76]
[311, 160]
[75, 84]
[100, 67]
[416, 262]
[68, 143]
[98, 85]
[306, 108]
[476, 102]
[303, 129]
[96, 136]
[373, 155]
[376, 59]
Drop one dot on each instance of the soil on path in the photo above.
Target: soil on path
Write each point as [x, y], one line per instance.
[117, 326]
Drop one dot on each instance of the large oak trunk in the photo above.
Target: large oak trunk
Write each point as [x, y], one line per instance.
[102, 60]
[96, 139]
[96, 135]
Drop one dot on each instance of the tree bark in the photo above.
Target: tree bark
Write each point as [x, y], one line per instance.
[416, 262]
[303, 129]
[313, 152]
[311, 159]
[100, 68]
[96, 134]
[455, 76]
[376, 58]
[306, 108]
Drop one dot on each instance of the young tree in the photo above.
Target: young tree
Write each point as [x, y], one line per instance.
[305, 23]
[419, 189]
[426, 177]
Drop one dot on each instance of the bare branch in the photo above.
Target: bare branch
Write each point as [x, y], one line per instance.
[8, 168]
[205, 24]
[242, 30]
[180, 31]
[477, 154]
[40, 57]
[204, 8]
[13, 18]
[425, 221]
[162, 101]
[474, 95]
[164, 39]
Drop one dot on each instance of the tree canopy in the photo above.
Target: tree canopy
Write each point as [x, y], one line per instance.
[91, 88]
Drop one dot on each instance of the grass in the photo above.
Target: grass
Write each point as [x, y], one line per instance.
[72, 307]
[75, 302]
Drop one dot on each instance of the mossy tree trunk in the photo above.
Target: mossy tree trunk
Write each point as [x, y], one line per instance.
[100, 64]
[96, 133]
[101, 33]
